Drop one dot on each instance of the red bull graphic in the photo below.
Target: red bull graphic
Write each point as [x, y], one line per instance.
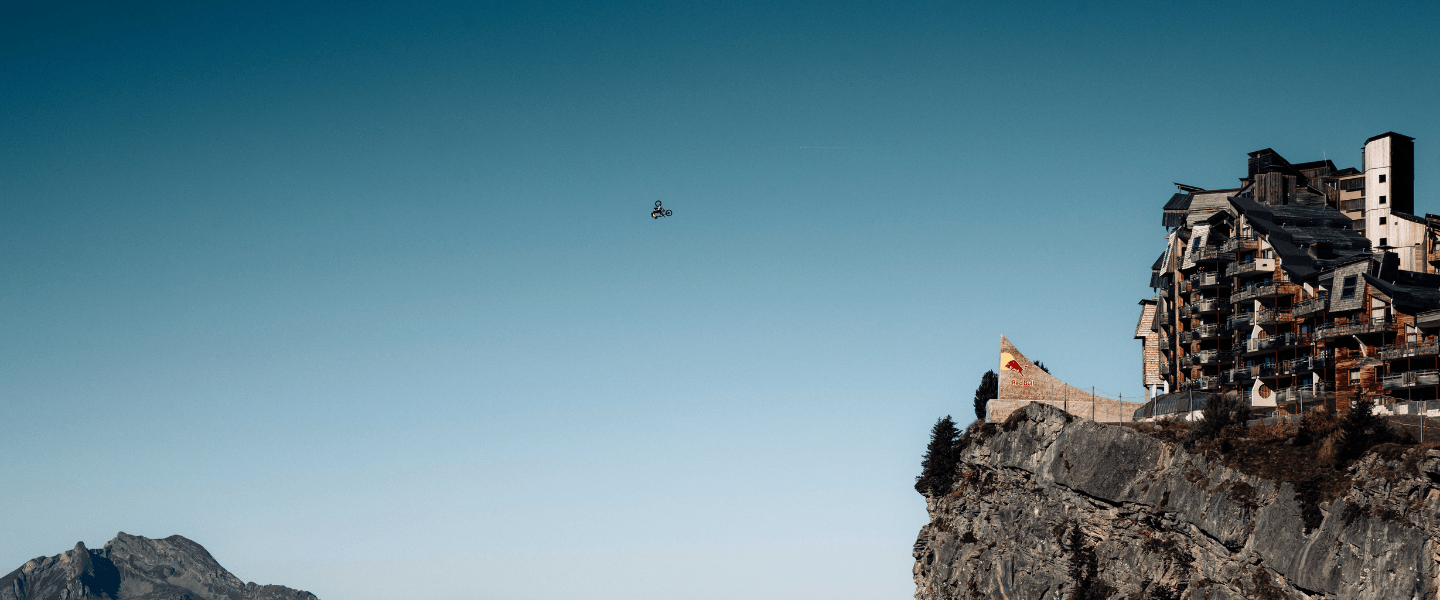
[1007, 361]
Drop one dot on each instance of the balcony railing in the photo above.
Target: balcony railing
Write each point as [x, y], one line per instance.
[1267, 290]
[1263, 370]
[1204, 357]
[1409, 379]
[1428, 319]
[1410, 350]
[1164, 368]
[1269, 343]
[1211, 253]
[1306, 364]
[1240, 321]
[1258, 265]
[1163, 318]
[1271, 317]
[1200, 383]
[1235, 376]
[1208, 305]
[1210, 331]
[1207, 279]
[1309, 305]
[1330, 330]
[1303, 393]
[1352, 204]
[1239, 242]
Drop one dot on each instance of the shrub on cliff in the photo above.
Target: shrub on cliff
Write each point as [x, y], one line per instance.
[1220, 411]
[937, 469]
[989, 389]
[1361, 429]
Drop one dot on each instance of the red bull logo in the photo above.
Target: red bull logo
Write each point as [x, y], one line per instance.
[1007, 361]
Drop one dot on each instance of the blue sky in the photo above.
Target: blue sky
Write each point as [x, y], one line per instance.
[366, 298]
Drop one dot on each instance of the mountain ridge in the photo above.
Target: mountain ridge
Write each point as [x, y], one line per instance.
[132, 567]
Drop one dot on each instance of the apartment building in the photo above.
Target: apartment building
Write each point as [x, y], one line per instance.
[1306, 285]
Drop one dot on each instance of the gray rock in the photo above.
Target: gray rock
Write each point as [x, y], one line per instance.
[131, 567]
[1056, 508]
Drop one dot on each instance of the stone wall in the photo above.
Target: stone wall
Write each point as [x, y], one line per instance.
[1021, 382]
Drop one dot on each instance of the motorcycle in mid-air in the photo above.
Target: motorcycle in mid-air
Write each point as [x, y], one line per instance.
[660, 211]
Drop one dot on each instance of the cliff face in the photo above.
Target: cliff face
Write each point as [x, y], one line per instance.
[1048, 506]
[134, 567]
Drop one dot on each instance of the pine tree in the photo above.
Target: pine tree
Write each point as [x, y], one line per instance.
[937, 469]
[1361, 429]
[989, 389]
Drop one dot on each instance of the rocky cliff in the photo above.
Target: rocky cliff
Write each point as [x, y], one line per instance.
[1047, 506]
[134, 567]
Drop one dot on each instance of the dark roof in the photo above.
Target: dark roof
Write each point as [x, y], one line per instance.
[1347, 171]
[1315, 164]
[1160, 261]
[1388, 134]
[1179, 202]
[1408, 217]
[1308, 238]
[1422, 296]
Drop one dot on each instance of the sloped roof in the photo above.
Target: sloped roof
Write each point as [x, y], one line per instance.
[1423, 296]
[1308, 239]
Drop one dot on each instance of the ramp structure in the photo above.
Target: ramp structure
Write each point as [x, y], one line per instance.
[1021, 382]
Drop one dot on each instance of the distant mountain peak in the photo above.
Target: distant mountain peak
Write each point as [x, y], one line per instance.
[132, 567]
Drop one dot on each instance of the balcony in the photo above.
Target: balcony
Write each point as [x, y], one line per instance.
[1236, 376]
[1352, 205]
[1399, 351]
[1265, 290]
[1208, 305]
[1205, 357]
[1200, 383]
[1213, 254]
[1163, 318]
[1240, 321]
[1306, 364]
[1207, 279]
[1303, 393]
[1274, 342]
[1411, 379]
[1259, 265]
[1210, 331]
[1164, 368]
[1309, 306]
[1331, 330]
[1428, 319]
[1240, 242]
[1271, 317]
[1263, 370]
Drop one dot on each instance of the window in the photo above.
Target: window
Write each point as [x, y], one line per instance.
[1382, 178]
[1355, 377]
[1382, 199]
[1348, 289]
[1382, 220]
[1383, 240]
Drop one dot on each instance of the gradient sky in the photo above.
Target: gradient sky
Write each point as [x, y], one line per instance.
[366, 298]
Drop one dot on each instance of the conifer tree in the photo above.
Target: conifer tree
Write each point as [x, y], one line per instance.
[937, 469]
[1361, 429]
[989, 389]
